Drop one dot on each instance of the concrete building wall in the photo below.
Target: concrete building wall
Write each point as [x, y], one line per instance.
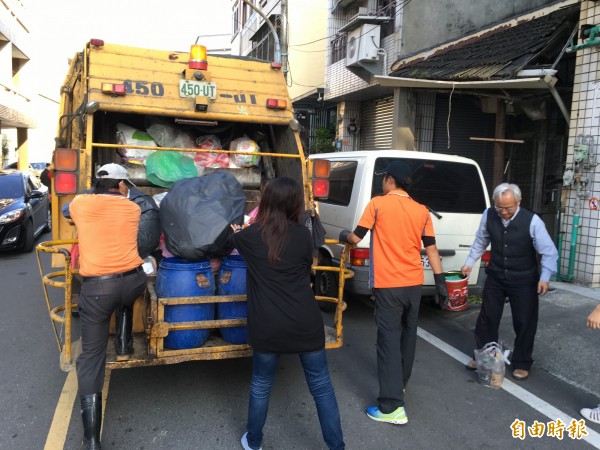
[339, 80]
[436, 21]
[580, 252]
[17, 104]
[307, 39]
[307, 32]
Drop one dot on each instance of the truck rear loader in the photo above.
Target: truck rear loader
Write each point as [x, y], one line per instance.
[196, 94]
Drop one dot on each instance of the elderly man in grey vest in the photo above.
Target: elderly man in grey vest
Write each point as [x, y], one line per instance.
[517, 236]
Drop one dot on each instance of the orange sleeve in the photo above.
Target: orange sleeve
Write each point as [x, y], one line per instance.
[367, 220]
[428, 227]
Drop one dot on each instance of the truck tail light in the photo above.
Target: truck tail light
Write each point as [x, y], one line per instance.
[275, 103]
[360, 257]
[65, 179]
[321, 188]
[276, 65]
[198, 57]
[112, 88]
[66, 159]
[97, 42]
[485, 258]
[65, 183]
[321, 171]
[321, 168]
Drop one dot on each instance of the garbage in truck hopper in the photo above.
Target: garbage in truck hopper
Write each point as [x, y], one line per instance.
[212, 160]
[245, 144]
[164, 168]
[167, 135]
[131, 136]
[196, 213]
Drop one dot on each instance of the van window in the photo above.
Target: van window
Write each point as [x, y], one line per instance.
[341, 180]
[443, 186]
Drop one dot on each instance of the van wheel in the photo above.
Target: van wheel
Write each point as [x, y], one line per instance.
[326, 284]
[29, 238]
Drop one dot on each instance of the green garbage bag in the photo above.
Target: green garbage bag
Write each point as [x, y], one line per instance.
[164, 168]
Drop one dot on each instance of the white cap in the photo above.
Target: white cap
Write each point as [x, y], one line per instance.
[114, 171]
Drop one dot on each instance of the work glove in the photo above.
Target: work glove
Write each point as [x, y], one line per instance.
[440, 288]
[344, 236]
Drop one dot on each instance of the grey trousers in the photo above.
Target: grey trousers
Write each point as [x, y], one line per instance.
[97, 301]
[396, 315]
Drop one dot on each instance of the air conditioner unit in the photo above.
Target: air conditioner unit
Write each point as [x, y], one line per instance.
[362, 45]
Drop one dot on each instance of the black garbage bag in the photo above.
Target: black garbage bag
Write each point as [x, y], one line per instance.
[313, 223]
[148, 237]
[196, 213]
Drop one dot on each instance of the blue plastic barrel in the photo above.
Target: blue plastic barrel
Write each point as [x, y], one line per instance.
[178, 277]
[232, 281]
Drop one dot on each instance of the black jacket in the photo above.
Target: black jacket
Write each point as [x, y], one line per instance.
[513, 256]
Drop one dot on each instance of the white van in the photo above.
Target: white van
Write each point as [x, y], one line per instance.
[452, 187]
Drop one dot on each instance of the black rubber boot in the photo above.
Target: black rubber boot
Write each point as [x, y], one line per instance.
[91, 416]
[123, 338]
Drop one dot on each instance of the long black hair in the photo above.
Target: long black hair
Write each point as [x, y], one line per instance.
[282, 201]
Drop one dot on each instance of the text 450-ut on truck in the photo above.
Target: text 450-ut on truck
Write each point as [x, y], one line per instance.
[110, 88]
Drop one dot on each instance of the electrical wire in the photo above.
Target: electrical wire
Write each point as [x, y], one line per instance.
[397, 10]
[449, 112]
[289, 78]
[399, 7]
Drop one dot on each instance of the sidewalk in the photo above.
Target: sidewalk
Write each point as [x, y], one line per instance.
[564, 346]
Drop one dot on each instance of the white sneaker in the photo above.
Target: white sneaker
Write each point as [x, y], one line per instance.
[593, 415]
[244, 442]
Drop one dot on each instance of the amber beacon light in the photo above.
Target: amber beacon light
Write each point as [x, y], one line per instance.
[198, 57]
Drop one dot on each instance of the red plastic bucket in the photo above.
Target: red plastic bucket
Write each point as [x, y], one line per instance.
[458, 291]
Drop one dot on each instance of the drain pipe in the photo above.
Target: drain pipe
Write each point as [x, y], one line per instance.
[259, 11]
[381, 51]
[562, 200]
[575, 229]
[571, 271]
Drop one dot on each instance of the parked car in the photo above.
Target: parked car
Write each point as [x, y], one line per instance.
[34, 171]
[24, 210]
[39, 166]
[452, 187]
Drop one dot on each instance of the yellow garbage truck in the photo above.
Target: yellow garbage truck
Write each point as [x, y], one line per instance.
[112, 90]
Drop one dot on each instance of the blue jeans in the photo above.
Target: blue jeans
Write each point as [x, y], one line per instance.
[264, 366]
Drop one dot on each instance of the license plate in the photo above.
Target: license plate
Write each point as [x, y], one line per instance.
[425, 262]
[191, 88]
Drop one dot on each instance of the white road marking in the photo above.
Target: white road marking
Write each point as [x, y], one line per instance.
[527, 397]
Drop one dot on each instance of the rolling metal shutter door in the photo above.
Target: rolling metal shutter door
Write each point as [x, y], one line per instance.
[466, 120]
[376, 117]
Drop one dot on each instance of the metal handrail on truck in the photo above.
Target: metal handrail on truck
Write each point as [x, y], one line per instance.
[149, 348]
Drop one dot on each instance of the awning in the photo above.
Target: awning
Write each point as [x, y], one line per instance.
[541, 82]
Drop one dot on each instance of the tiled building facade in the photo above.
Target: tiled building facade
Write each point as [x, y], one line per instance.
[580, 246]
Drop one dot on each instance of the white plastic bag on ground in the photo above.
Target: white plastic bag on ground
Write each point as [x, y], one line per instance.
[491, 360]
